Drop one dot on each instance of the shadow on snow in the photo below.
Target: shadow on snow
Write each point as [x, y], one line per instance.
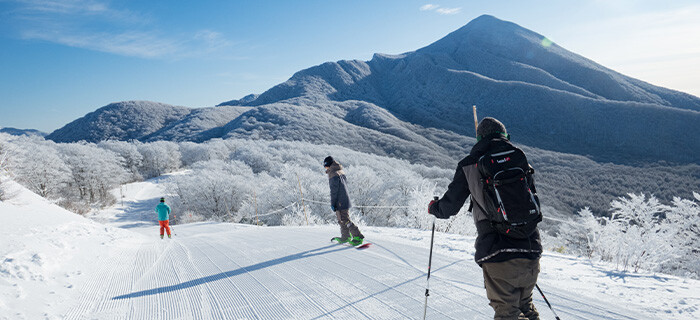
[232, 273]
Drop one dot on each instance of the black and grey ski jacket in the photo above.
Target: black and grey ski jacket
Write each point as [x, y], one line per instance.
[340, 199]
[490, 245]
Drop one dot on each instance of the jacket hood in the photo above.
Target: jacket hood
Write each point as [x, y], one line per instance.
[482, 146]
[334, 170]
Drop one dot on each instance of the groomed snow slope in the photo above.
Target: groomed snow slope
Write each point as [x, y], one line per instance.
[229, 271]
[48, 255]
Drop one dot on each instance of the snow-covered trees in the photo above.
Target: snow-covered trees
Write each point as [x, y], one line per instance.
[80, 175]
[94, 172]
[640, 233]
[215, 149]
[42, 170]
[262, 182]
[3, 164]
[215, 190]
[159, 157]
[133, 160]
[683, 218]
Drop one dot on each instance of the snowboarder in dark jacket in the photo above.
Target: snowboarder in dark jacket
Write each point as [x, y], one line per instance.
[340, 203]
[510, 266]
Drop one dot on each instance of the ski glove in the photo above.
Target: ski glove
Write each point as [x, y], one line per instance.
[430, 205]
[333, 208]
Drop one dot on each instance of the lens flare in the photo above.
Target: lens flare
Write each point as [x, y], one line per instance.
[546, 42]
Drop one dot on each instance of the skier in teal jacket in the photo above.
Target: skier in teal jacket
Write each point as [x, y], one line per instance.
[163, 211]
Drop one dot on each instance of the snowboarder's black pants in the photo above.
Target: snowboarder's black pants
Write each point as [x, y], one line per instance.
[509, 287]
[346, 226]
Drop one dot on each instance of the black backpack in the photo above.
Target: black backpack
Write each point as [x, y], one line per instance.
[510, 198]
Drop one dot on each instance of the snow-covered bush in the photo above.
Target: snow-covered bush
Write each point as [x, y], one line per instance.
[94, 172]
[301, 216]
[158, 158]
[211, 150]
[78, 175]
[279, 173]
[3, 165]
[214, 190]
[41, 169]
[640, 233]
[683, 218]
[133, 160]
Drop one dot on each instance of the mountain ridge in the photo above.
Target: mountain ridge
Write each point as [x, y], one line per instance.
[548, 97]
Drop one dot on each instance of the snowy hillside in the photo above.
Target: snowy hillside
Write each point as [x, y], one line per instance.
[120, 121]
[49, 255]
[22, 132]
[60, 265]
[200, 125]
[548, 97]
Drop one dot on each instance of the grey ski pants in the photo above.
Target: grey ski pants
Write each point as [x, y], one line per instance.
[509, 287]
[346, 226]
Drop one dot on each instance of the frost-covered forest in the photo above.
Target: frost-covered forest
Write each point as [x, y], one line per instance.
[283, 183]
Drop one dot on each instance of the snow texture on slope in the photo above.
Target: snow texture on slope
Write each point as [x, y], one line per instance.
[120, 121]
[200, 125]
[239, 102]
[59, 265]
[547, 96]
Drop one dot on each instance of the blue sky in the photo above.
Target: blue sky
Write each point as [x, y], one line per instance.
[62, 59]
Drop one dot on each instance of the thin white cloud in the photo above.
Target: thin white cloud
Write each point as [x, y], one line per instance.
[448, 11]
[62, 7]
[440, 10]
[94, 25]
[134, 44]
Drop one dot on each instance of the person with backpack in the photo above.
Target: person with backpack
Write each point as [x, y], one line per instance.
[340, 203]
[163, 211]
[506, 210]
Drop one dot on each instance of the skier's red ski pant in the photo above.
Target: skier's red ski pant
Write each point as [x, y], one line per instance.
[164, 225]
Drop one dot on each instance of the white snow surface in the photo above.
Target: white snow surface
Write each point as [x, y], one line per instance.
[58, 265]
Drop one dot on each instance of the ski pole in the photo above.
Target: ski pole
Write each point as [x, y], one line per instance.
[476, 121]
[430, 263]
[545, 300]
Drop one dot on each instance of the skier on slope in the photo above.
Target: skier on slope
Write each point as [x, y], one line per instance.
[340, 203]
[163, 211]
[510, 263]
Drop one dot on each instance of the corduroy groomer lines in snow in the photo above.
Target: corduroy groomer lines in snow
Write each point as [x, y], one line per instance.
[233, 271]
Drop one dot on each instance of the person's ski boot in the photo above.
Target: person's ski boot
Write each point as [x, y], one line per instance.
[170, 237]
[161, 236]
[356, 241]
[341, 240]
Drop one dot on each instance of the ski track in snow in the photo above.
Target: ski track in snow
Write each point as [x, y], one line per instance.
[228, 271]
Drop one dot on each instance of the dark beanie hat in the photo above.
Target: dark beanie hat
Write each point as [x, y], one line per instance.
[162, 199]
[489, 126]
[328, 161]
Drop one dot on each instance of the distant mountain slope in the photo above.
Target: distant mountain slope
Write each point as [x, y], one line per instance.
[122, 121]
[22, 132]
[247, 99]
[353, 124]
[548, 97]
[200, 125]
